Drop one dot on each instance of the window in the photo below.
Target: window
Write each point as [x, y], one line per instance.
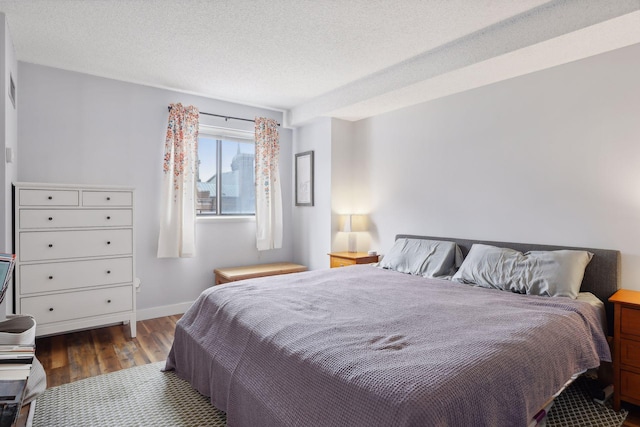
[226, 167]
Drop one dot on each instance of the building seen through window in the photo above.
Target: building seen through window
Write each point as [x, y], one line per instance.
[226, 167]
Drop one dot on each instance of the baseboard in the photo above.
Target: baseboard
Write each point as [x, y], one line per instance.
[163, 310]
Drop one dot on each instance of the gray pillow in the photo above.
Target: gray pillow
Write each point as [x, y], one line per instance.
[428, 258]
[544, 273]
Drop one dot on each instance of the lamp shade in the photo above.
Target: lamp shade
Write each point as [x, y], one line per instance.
[353, 223]
[346, 223]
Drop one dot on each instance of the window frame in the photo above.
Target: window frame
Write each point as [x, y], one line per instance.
[221, 134]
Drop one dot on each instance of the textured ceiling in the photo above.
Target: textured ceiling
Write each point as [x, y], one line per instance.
[311, 58]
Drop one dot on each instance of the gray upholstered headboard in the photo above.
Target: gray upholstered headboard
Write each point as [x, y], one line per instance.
[601, 278]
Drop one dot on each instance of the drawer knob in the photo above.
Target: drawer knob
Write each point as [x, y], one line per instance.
[50, 308]
[108, 198]
[50, 218]
[50, 245]
[108, 271]
[50, 277]
[108, 243]
[108, 217]
[50, 197]
[109, 301]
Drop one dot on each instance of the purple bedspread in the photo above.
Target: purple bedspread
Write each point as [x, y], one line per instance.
[360, 346]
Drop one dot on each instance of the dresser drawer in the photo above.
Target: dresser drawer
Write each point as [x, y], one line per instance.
[630, 353]
[60, 218]
[51, 245]
[341, 262]
[630, 321]
[629, 384]
[107, 198]
[27, 197]
[75, 274]
[79, 304]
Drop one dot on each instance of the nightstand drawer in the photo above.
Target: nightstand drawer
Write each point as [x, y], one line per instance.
[630, 321]
[630, 353]
[629, 384]
[343, 259]
[341, 262]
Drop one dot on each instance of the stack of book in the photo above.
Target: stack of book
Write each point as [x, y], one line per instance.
[16, 356]
[15, 361]
[15, 366]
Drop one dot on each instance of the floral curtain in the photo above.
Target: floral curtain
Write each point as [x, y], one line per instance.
[178, 218]
[268, 191]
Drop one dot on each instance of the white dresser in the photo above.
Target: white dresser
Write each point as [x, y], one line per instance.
[75, 256]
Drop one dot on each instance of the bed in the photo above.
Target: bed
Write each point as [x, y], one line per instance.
[365, 346]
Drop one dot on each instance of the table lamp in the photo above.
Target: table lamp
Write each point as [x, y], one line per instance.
[352, 224]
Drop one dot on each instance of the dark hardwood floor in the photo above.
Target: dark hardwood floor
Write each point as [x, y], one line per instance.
[77, 355]
[633, 419]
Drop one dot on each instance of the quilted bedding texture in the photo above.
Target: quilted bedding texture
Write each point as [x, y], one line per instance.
[361, 346]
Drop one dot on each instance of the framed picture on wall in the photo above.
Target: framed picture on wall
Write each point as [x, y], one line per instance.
[304, 179]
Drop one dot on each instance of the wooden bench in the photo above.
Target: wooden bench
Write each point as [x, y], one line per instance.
[232, 274]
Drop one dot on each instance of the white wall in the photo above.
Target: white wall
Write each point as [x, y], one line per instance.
[9, 136]
[551, 157]
[317, 228]
[312, 224]
[77, 128]
[346, 184]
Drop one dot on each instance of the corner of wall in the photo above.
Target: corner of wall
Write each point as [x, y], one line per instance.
[9, 132]
[336, 184]
[312, 224]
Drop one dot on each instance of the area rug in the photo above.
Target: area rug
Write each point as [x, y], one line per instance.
[138, 396]
[145, 396]
[574, 407]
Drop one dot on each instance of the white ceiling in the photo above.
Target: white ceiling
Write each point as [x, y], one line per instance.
[341, 58]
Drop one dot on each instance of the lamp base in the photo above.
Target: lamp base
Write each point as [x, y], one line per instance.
[353, 242]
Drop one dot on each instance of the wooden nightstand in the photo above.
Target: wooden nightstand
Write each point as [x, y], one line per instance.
[342, 259]
[626, 347]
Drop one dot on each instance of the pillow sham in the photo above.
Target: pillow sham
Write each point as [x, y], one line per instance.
[544, 273]
[428, 258]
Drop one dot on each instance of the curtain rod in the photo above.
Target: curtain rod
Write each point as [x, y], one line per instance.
[226, 118]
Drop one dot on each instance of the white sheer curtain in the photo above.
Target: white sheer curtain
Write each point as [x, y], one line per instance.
[268, 191]
[178, 220]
